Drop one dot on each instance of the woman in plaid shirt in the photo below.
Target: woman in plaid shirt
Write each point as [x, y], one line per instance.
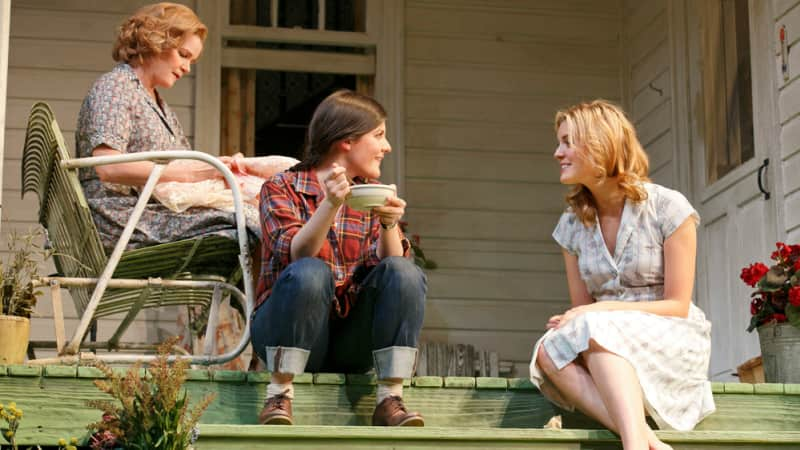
[337, 291]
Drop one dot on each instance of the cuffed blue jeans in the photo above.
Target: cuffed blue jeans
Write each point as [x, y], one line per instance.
[293, 330]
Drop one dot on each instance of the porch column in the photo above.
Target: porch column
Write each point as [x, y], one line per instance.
[5, 20]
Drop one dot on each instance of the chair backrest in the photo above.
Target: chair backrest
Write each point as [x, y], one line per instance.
[63, 211]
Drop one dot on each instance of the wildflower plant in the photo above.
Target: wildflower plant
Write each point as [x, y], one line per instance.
[151, 407]
[11, 415]
[17, 273]
[72, 445]
[776, 298]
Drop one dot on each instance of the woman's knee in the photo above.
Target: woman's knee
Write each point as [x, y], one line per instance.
[305, 283]
[404, 272]
[307, 274]
[545, 363]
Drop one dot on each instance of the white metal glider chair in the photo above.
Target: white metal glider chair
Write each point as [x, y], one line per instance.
[187, 272]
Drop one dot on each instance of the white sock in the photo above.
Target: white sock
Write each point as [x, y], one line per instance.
[286, 389]
[385, 389]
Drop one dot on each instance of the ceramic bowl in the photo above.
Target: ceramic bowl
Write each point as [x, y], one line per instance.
[366, 196]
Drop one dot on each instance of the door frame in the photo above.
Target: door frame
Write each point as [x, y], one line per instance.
[385, 35]
[688, 115]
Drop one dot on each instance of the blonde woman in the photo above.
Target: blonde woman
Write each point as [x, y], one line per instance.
[633, 342]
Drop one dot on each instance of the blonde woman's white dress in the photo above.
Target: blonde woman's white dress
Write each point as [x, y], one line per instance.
[670, 354]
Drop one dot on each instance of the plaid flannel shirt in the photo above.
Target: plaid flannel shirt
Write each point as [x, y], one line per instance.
[287, 202]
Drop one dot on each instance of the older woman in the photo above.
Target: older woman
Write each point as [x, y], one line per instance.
[125, 113]
[633, 341]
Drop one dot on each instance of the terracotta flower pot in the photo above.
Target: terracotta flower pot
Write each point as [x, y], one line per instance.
[14, 334]
[780, 352]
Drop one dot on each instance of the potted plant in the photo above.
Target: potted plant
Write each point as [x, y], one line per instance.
[18, 294]
[775, 310]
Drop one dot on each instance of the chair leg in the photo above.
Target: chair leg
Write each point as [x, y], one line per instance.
[58, 315]
[210, 341]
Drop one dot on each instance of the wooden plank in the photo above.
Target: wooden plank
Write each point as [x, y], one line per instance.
[297, 36]
[784, 7]
[789, 138]
[788, 104]
[652, 95]
[790, 167]
[66, 112]
[650, 67]
[117, 6]
[664, 175]
[15, 141]
[505, 315]
[639, 16]
[511, 53]
[60, 55]
[489, 109]
[510, 345]
[37, 84]
[449, 162]
[660, 151]
[456, 19]
[655, 33]
[536, 139]
[536, 80]
[655, 124]
[546, 7]
[446, 258]
[485, 195]
[67, 25]
[499, 285]
[478, 224]
[298, 61]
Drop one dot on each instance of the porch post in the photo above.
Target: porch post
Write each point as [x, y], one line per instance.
[5, 20]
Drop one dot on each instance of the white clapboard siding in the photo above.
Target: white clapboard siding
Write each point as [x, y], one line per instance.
[649, 84]
[484, 80]
[787, 13]
[57, 49]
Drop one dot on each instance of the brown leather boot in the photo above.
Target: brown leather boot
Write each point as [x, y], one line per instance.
[277, 411]
[391, 412]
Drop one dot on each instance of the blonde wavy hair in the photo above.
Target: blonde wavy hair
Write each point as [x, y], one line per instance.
[153, 29]
[606, 140]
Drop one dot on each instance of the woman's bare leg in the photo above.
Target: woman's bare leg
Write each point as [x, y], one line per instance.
[575, 383]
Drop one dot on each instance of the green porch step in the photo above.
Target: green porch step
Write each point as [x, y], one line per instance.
[315, 437]
[455, 408]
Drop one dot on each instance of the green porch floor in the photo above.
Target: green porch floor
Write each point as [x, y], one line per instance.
[334, 410]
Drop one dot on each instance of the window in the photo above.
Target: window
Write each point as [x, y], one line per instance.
[728, 87]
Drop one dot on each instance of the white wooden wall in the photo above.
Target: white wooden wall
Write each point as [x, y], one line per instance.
[57, 49]
[483, 82]
[648, 84]
[787, 13]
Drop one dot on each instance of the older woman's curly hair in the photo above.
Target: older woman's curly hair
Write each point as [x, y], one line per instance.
[607, 140]
[154, 29]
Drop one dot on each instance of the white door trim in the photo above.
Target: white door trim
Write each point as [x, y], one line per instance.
[386, 27]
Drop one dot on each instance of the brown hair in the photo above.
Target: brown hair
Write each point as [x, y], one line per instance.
[607, 141]
[342, 115]
[153, 29]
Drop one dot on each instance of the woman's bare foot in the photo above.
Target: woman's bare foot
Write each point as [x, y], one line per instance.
[655, 443]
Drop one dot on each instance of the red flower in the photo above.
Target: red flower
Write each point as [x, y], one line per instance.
[782, 253]
[753, 273]
[794, 295]
[756, 305]
[778, 317]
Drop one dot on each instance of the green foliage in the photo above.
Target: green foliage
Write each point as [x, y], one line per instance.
[419, 256]
[11, 415]
[17, 273]
[151, 411]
